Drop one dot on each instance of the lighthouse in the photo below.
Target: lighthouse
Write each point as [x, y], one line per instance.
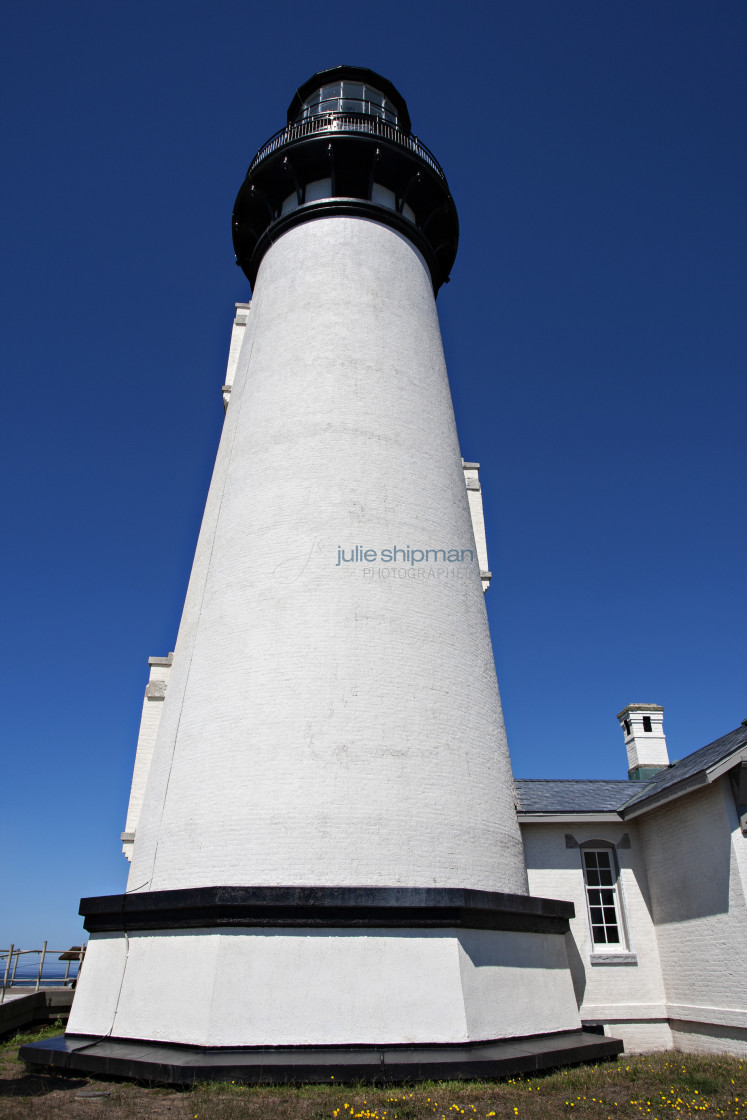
[327, 874]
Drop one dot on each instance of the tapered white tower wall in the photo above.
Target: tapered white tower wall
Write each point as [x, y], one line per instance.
[318, 708]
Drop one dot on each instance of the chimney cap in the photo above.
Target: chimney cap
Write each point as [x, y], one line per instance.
[639, 708]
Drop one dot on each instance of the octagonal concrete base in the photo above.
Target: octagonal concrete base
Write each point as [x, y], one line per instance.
[179, 1065]
[331, 987]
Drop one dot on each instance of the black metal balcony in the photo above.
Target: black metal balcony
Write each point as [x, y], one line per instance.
[325, 164]
[347, 122]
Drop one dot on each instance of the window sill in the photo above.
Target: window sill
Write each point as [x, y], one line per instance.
[613, 958]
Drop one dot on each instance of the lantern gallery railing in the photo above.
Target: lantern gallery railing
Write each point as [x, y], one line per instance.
[346, 122]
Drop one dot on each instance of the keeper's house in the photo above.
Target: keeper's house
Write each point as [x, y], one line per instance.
[657, 869]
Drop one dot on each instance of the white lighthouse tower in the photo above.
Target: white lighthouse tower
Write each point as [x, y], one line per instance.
[327, 875]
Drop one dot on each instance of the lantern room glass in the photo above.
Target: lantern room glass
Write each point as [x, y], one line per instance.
[348, 97]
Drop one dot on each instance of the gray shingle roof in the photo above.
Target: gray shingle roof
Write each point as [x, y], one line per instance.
[539, 795]
[582, 795]
[692, 764]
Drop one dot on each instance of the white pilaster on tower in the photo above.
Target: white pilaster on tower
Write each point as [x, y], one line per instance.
[474, 496]
[150, 719]
[237, 337]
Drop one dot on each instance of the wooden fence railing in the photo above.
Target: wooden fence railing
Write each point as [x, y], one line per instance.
[37, 968]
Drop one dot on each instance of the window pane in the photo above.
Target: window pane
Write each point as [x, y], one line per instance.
[600, 874]
[353, 89]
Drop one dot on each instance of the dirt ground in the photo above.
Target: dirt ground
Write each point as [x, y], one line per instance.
[656, 1086]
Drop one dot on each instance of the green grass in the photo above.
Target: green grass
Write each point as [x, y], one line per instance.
[49, 1031]
[654, 1086]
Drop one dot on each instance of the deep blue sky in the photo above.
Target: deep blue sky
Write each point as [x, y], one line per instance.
[594, 330]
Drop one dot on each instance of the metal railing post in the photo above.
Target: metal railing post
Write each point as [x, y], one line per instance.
[15, 966]
[41, 967]
[5, 977]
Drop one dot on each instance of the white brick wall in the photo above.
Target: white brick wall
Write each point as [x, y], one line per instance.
[628, 994]
[694, 852]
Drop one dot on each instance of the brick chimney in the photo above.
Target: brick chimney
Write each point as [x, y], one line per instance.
[645, 741]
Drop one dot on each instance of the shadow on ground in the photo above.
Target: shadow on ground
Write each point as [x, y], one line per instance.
[34, 1085]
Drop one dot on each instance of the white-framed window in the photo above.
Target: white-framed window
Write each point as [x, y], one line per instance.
[603, 903]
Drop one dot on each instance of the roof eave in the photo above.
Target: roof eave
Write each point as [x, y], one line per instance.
[581, 816]
[701, 778]
[671, 793]
[726, 764]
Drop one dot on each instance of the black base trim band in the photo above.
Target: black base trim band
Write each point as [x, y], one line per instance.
[170, 1064]
[320, 907]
